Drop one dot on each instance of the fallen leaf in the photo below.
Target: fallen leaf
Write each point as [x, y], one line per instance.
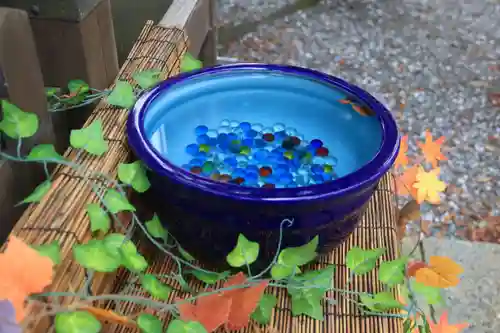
[243, 300]
[409, 212]
[402, 158]
[21, 278]
[414, 266]
[404, 182]
[441, 272]
[432, 149]
[494, 98]
[444, 327]
[211, 310]
[429, 186]
[108, 316]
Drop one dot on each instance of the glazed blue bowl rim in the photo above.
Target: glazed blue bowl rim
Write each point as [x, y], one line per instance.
[355, 181]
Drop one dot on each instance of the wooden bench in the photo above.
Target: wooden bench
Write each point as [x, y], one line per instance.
[61, 216]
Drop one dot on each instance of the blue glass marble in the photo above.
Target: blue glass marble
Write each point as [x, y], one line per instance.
[278, 127]
[257, 127]
[203, 139]
[317, 169]
[224, 129]
[212, 133]
[230, 161]
[200, 130]
[196, 162]
[192, 149]
[251, 156]
[245, 126]
[249, 142]
[316, 143]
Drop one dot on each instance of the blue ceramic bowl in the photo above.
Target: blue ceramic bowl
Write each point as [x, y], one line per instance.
[206, 215]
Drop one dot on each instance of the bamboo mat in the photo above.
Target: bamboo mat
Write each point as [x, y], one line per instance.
[376, 230]
[61, 216]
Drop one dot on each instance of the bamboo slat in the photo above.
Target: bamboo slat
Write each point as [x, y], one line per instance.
[61, 214]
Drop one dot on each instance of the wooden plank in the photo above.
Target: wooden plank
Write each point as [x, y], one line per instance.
[76, 50]
[192, 16]
[22, 84]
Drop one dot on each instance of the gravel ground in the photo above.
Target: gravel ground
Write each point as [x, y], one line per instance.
[434, 63]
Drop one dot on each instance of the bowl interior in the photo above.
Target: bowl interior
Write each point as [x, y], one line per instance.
[314, 109]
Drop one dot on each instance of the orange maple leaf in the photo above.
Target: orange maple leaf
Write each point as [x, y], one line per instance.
[23, 271]
[243, 300]
[211, 311]
[444, 327]
[441, 272]
[402, 159]
[405, 182]
[429, 186]
[432, 149]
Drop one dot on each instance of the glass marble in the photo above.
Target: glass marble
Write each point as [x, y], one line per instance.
[278, 127]
[253, 155]
[200, 130]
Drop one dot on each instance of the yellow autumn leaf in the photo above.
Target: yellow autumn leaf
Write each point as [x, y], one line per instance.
[429, 186]
[441, 272]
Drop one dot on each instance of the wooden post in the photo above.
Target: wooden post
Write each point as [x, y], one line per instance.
[21, 83]
[198, 19]
[75, 40]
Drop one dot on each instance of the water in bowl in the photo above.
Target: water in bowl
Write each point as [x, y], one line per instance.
[269, 131]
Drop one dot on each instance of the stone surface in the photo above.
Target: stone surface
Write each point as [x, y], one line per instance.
[435, 62]
[475, 299]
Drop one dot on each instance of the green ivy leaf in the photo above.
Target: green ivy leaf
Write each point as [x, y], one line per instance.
[44, 152]
[115, 202]
[135, 262]
[155, 228]
[392, 272]
[78, 87]
[51, 91]
[380, 302]
[262, 314]
[179, 326]
[122, 95]
[99, 219]
[190, 63]
[184, 285]
[210, 278]
[361, 261]
[94, 255]
[51, 250]
[90, 139]
[185, 254]
[38, 193]
[245, 252]
[149, 323]
[319, 279]
[120, 246]
[301, 255]
[148, 78]
[155, 287]
[433, 296]
[16, 123]
[135, 175]
[280, 271]
[309, 305]
[77, 322]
